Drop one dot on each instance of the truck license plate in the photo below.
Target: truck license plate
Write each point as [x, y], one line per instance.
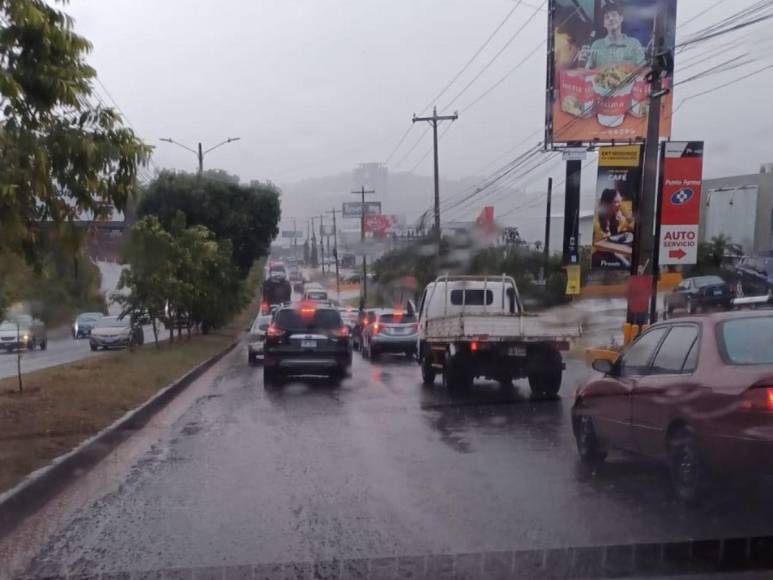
[517, 351]
[308, 344]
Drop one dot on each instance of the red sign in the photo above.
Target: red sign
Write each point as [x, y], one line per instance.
[378, 223]
[680, 202]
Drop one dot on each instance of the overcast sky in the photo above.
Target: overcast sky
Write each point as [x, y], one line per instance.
[314, 87]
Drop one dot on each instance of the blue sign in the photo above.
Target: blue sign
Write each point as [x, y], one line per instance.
[682, 196]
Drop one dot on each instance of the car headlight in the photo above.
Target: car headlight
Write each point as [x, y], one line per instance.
[25, 337]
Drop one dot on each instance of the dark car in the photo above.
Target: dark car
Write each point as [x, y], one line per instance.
[306, 339]
[696, 393]
[85, 322]
[754, 276]
[392, 331]
[699, 293]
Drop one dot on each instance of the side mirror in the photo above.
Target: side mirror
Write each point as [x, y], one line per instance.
[603, 366]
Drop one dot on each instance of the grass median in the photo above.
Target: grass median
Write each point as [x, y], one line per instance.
[62, 406]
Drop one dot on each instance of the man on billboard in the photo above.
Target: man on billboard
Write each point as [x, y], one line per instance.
[616, 48]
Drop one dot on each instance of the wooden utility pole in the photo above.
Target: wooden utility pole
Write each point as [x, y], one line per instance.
[322, 243]
[433, 120]
[362, 192]
[335, 253]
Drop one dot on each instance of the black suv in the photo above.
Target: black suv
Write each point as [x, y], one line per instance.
[306, 339]
[754, 276]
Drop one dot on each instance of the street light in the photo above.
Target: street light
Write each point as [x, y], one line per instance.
[200, 153]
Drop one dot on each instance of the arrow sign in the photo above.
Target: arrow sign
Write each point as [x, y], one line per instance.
[678, 254]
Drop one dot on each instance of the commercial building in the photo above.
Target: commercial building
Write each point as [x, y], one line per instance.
[741, 208]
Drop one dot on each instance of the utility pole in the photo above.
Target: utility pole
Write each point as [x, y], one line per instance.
[313, 242]
[295, 238]
[322, 243]
[546, 247]
[364, 295]
[433, 120]
[200, 153]
[335, 253]
[645, 259]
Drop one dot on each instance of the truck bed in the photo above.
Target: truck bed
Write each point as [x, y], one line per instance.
[498, 328]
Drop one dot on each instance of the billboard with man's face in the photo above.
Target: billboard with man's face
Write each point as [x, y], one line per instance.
[597, 86]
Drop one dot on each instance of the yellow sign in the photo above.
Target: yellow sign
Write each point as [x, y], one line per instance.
[573, 280]
[622, 156]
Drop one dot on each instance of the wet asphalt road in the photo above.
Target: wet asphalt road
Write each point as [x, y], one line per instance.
[377, 467]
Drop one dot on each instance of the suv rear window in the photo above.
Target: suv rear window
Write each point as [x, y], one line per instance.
[397, 318]
[747, 341]
[471, 297]
[293, 320]
[316, 295]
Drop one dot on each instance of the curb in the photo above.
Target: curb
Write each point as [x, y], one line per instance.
[34, 491]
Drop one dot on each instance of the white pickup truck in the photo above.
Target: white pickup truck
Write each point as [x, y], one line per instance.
[475, 326]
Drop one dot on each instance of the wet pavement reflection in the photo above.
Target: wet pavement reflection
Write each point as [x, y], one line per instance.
[378, 467]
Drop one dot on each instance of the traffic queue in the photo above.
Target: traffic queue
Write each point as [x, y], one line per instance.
[693, 392]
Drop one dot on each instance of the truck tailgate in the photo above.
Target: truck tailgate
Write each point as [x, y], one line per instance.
[497, 327]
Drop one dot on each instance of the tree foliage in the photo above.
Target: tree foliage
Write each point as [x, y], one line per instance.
[182, 277]
[248, 216]
[59, 155]
[715, 256]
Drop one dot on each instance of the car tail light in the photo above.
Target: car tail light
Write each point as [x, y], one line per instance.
[274, 331]
[474, 346]
[265, 308]
[376, 327]
[342, 332]
[758, 399]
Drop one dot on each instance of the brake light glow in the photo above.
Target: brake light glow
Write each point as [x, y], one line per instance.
[308, 310]
[342, 332]
[274, 331]
[376, 327]
[758, 399]
[264, 307]
[474, 346]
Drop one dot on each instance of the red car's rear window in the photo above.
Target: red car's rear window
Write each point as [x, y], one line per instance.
[747, 341]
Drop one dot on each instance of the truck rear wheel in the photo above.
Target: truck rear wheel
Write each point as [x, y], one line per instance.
[455, 375]
[427, 370]
[545, 372]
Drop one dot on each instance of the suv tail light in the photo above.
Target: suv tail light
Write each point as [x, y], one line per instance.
[758, 399]
[376, 328]
[265, 308]
[342, 332]
[274, 331]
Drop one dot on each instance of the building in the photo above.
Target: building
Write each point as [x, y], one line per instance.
[373, 176]
[741, 208]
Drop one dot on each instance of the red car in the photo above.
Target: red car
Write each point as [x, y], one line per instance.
[696, 393]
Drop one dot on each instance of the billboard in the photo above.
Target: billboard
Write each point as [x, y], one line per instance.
[353, 209]
[598, 55]
[680, 202]
[617, 191]
[290, 234]
[379, 224]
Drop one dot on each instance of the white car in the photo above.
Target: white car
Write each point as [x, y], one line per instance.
[257, 338]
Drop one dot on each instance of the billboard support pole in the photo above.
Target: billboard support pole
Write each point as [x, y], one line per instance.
[334, 211]
[656, 250]
[546, 247]
[322, 242]
[572, 213]
[364, 285]
[645, 246]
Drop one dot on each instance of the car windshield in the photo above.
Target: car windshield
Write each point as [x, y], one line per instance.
[748, 341]
[410, 288]
[113, 322]
[708, 281]
[297, 320]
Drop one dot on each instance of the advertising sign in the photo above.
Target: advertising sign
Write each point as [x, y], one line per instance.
[597, 69]
[680, 202]
[353, 209]
[290, 234]
[617, 190]
[378, 224]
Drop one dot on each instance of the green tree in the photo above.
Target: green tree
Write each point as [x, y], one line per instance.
[248, 216]
[59, 156]
[150, 279]
[713, 255]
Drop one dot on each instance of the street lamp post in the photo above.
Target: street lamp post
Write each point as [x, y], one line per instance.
[200, 153]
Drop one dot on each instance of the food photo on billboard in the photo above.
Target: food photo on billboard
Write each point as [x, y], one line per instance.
[614, 223]
[599, 90]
